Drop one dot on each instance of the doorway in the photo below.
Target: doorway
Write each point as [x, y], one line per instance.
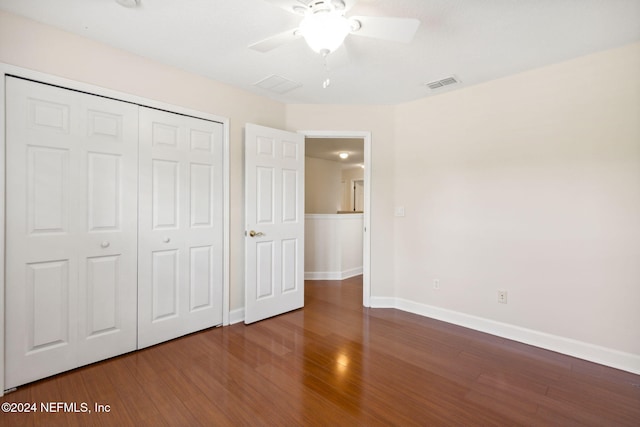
[365, 137]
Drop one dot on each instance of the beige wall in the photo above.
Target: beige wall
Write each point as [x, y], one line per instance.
[322, 186]
[379, 121]
[352, 174]
[38, 47]
[530, 184]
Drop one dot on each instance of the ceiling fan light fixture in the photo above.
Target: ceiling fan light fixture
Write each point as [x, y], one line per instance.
[325, 31]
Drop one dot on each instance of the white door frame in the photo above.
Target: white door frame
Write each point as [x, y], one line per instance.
[366, 243]
[7, 69]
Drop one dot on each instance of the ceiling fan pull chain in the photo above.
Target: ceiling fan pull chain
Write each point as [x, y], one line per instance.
[327, 81]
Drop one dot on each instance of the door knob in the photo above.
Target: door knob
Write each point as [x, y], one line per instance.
[105, 244]
[253, 233]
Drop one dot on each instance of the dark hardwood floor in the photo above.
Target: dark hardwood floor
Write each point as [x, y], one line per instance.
[337, 363]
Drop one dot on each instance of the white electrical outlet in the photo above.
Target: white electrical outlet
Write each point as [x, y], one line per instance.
[436, 284]
[502, 297]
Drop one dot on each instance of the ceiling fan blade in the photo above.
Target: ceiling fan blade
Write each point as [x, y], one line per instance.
[289, 5]
[393, 29]
[275, 41]
[300, 6]
[348, 5]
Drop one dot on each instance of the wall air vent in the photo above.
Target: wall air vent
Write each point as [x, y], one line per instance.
[277, 84]
[443, 82]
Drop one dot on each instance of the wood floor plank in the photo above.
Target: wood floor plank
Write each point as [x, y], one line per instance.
[337, 363]
[311, 406]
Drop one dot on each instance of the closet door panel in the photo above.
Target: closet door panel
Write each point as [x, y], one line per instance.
[102, 295]
[181, 224]
[41, 265]
[71, 234]
[104, 191]
[201, 195]
[108, 211]
[201, 278]
[47, 189]
[165, 187]
[164, 284]
[47, 317]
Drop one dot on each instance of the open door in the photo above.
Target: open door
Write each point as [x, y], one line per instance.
[274, 222]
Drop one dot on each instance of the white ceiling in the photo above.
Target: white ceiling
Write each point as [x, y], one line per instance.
[472, 39]
[330, 148]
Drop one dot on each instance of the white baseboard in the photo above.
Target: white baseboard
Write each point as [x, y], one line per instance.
[382, 302]
[332, 275]
[322, 275]
[236, 316]
[593, 353]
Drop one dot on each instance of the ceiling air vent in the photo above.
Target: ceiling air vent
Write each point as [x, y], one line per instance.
[277, 84]
[443, 82]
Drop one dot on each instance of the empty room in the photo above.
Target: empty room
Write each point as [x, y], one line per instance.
[325, 212]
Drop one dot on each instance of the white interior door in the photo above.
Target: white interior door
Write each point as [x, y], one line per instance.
[274, 221]
[180, 226]
[71, 229]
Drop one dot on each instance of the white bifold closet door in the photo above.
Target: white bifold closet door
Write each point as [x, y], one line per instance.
[180, 256]
[71, 218]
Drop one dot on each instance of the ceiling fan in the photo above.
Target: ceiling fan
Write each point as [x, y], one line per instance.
[324, 26]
